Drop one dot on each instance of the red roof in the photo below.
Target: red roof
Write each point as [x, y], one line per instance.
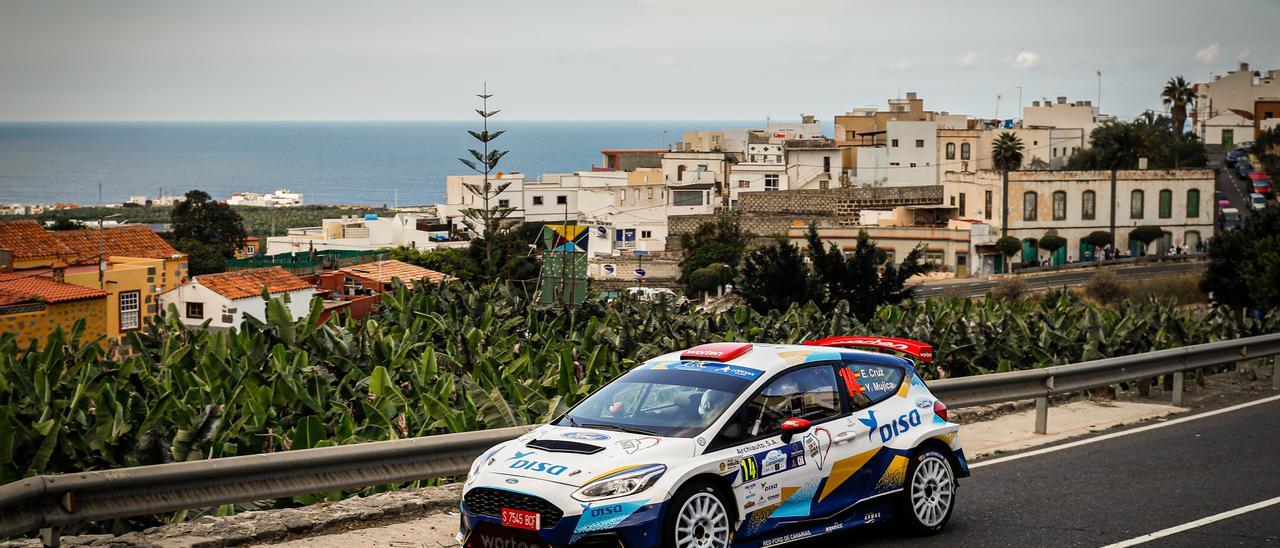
[124, 241]
[20, 287]
[29, 240]
[248, 283]
[384, 271]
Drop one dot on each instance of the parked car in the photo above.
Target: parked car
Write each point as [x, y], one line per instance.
[655, 294]
[1261, 182]
[728, 444]
[1257, 201]
[1245, 146]
[1233, 156]
[1229, 218]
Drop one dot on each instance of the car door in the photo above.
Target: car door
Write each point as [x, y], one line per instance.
[774, 478]
[858, 461]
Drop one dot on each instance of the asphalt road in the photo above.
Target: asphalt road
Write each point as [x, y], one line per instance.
[1236, 191]
[977, 288]
[1119, 489]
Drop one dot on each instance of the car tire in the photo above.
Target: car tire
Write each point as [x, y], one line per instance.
[698, 515]
[928, 494]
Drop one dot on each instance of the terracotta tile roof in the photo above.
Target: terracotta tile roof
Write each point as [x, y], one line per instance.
[384, 271]
[29, 240]
[124, 241]
[249, 283]
[19, 287]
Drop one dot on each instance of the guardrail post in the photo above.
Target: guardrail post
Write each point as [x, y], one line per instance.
[1275, 372]
[1042, 415]
[1178, 378]
[51, 536]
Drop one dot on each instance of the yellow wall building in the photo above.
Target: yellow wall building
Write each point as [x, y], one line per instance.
[32, 307]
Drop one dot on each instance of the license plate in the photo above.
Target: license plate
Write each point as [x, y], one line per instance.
[521, 519]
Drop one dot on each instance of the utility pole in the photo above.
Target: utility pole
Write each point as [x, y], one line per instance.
[1100, 92]
[997, 106]
[1019, 113]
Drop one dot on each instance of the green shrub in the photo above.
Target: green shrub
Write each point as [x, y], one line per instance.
[1105, 287]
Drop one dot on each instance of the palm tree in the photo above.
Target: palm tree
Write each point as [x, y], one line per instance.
[1006, 154]
[1177, 95]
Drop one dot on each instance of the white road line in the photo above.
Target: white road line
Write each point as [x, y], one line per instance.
[1197, 523]
[1113, 435]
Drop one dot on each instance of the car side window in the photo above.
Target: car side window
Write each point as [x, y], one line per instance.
[866, 384]
[808, 393]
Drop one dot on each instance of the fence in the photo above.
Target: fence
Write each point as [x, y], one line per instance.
[51, 502]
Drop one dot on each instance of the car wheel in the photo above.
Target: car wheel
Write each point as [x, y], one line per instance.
[929, 495]
[698, 517]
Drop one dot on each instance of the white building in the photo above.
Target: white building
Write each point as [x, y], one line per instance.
[280, 198]
[225, 299]
[355, 233]
[807, 128]
[1232, 93]
[909, 157]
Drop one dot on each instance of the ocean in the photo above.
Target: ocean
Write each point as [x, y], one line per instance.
[329, 162]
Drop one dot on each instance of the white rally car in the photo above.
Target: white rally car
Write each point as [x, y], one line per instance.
[728, 444]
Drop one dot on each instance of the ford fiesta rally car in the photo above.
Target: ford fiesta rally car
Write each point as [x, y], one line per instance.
[728, 444]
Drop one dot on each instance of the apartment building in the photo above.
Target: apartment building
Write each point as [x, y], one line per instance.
[1225, 106]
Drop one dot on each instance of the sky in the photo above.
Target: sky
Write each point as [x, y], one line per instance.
[303, 60]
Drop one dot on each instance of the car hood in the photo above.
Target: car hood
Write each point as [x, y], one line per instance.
[557, 454]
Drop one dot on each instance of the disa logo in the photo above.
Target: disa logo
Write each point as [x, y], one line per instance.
[536, 466]
[899, 425]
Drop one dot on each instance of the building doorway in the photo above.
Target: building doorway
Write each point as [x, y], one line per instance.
[1228, 139]
[962, 265]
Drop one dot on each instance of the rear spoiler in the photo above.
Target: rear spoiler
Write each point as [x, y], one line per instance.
[920, 351]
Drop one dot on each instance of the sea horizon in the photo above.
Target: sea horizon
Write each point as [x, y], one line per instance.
[336, 162]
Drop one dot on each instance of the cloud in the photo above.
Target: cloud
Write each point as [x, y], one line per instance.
[903, 65]
[1026, 60]
[663, 60]
[1210, 53]
[968, 59]
[1244, 55]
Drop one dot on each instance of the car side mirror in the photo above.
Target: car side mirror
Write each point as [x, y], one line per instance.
[793, 426]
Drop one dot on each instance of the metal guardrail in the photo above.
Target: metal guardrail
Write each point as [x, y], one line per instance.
[1127, 261]
[51, 502]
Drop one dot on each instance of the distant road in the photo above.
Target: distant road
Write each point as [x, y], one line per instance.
[1071, 278]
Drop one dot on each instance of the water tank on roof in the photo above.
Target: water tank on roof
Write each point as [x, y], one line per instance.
[371, 217]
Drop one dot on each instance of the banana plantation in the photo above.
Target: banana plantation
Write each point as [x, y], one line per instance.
[456, 358]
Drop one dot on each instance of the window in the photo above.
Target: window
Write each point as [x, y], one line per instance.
[1029, 206]
[743, 183]
[962, 200]
[195, 311]
[1135, 204]
[1088, 205]
[868, 384]
[686, 198]
[1193, 204]
[919, 143]
[771, 182]
[895, 143]
[504, 203]
[826, 164]
[1059, 205]
[890, 255]
[808, 393]
[964, 151]
[951, 151]
[562, 200]
[849, 135]
[649, 193]
[986, 199]
[129, 310]
[537, 200]
[934, 256]
[679, 402]
[913, 164]
[1166, 204]
[646, 234]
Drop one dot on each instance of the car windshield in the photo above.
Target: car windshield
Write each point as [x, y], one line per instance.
[678, 399]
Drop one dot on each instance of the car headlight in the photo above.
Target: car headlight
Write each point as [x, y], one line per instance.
[621, 484]
[475, 466]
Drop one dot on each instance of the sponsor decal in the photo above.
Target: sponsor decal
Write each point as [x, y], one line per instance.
[787, 538]
[816, 448]
[749, 504]
[879, 342]
[736, 371]
[729, 465]
[833, 527]
[585, 436]
[538, 466]
[603, 517]
[702, 441]
[763, 444]
[483, 540]
[520, 455]
[631, 446]
[773, 462]
[513, 481]
[749, 469]
[881, 386]
[871, 517]
[899, 425]
[797, 455]
[870, 421]
[924, 403]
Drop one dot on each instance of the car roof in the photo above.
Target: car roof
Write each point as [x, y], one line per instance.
[772, 358]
